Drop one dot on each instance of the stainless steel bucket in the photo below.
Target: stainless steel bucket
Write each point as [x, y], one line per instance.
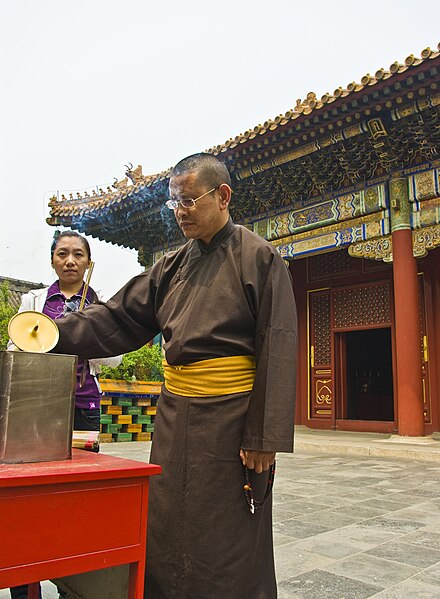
[37, 399]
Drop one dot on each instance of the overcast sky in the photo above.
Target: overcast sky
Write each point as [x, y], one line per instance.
[90, 85]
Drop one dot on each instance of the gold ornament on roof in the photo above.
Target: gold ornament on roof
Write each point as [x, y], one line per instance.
[134, 174]
[309, 102]
[119, 184]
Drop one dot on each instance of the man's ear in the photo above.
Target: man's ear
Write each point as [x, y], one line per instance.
[225, 195]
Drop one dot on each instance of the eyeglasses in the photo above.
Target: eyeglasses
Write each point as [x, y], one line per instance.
[187, 202]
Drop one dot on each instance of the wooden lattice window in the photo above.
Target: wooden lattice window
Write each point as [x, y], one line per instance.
[324, 266]
[362, 306]
[321, 319]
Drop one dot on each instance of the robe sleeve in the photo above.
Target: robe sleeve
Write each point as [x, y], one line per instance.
[270, 418]
[123, 324]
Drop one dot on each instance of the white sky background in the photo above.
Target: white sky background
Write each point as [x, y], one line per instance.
[90, 85]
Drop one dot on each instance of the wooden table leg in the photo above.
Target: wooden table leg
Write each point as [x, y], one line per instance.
[34, 590]
[135, 582]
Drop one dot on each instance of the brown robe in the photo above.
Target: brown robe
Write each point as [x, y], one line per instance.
[233, 297]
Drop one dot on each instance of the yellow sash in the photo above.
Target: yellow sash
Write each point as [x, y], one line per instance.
[217, 376]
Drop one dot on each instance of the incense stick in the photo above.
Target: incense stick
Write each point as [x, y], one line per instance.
[81, 306]
[86, 286]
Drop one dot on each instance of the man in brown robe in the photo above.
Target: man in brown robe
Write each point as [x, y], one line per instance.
[223, 300]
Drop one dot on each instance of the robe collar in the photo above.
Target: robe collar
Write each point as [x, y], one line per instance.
[218, 238]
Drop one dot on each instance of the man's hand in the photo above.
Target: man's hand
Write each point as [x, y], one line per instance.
[258, 460]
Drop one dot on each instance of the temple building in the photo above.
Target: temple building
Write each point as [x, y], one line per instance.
[347, 187]
[17, 287]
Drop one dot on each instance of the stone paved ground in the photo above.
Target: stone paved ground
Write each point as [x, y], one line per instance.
[347, 526]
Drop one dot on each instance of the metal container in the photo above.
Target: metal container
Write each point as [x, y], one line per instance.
[37, 400]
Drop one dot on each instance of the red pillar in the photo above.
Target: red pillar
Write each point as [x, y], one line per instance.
[408, 353]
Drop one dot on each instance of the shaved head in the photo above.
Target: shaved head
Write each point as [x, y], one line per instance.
[210, 171]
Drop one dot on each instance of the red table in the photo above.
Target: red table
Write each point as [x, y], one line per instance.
[73, 516]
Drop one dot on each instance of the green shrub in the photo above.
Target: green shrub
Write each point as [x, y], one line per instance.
[144, 364]
[7, 311]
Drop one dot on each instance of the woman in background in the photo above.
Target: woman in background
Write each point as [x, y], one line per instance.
[70, 257]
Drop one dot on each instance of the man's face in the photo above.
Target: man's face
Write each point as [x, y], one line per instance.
[208, 215]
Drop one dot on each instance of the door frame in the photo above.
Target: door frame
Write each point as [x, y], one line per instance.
[340, 370]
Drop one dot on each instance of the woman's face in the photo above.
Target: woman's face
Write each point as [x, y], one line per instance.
[70, 260]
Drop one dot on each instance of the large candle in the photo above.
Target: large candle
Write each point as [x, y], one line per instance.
[33, 331]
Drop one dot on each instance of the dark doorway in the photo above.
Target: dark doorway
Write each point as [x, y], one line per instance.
[369, 375]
